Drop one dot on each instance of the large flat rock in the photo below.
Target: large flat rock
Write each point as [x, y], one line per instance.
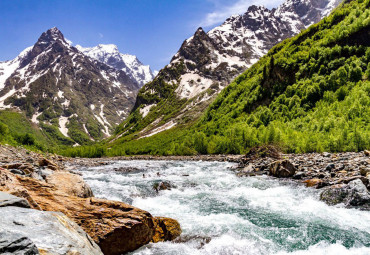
[22, 229]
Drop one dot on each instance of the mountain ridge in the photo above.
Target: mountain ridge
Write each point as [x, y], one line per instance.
[68, 94]
[207, 62]
[130, 64]
[310, 93]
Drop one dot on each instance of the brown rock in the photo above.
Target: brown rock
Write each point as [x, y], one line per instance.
[12, 166]
[364, 170]
[166, 229]
[71, 184]
[313, 182]
[115, 226]
[48, 163]
[367, 153]
[282, 168]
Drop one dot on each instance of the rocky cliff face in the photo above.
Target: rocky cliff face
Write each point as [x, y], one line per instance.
[130, 64]
[65, 92]
[207, 62]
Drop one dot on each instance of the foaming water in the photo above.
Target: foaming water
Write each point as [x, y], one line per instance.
[221, 213]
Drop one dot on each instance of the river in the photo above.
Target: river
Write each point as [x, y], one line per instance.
[221, 213]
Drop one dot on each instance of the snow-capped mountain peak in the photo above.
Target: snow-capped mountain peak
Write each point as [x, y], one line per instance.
[51, 36]
[57, 85]
[207, 62]
[110, 55]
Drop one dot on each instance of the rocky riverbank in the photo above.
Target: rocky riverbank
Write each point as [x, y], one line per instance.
[39, 196]
[344, 178]
[90, 162]
[44, 188]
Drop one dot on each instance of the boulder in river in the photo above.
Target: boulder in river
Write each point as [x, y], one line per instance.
[353, 194]
[282, 169]
[166, 229]
[23, 229]
[163, 186]
[313, 182]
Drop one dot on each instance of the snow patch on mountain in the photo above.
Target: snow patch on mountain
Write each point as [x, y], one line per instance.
[130, 64]
[63, 121]
[162, 128]
[7, 68]
[145, 110]
[192, 84]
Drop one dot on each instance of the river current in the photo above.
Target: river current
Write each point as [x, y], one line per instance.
[223, 214]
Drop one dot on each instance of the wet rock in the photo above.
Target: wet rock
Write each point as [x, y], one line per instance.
[16, 243]
[127, 170]
[248, 169]
[163, 186]
[166, 229]
[10, 200]
[50, 232]
[313, 182]
[251, 170]
[299, 175]
[70, 183]
[282, 169]
[194, 240]
[353, 194]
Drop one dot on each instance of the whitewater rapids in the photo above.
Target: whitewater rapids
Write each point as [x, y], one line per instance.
[223, 214]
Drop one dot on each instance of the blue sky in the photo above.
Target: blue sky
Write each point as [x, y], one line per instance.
[151, 29]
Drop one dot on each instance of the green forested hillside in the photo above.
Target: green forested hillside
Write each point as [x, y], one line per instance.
[17, 130]
[309, 93]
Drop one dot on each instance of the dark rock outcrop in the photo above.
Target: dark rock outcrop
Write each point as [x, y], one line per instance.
[353, 194]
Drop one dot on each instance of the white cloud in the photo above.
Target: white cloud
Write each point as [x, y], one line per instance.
[101, 35]
[223, 12]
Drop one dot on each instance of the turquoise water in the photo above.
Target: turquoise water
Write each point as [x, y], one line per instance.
[221, 213]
